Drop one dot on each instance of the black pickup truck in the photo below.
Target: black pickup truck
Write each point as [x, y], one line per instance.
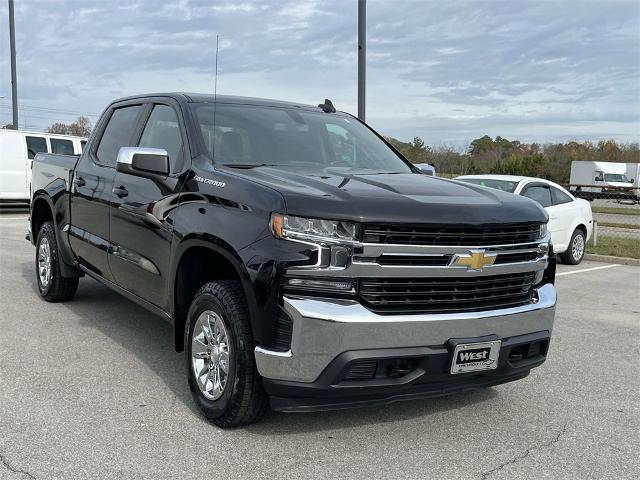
[302, 261]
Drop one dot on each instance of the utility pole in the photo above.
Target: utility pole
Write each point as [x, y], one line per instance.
[14, 80]
[362, 56]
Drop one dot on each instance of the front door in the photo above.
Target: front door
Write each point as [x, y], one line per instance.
[141, 212]
[541, 193]
[91, 190]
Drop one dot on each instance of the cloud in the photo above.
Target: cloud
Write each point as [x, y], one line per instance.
[445, 71]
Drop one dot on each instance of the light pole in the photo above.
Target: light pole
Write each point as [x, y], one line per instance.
[362, 56]
[14, 80]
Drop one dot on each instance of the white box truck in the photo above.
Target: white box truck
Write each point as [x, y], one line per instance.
[18, 148]
[599, 177]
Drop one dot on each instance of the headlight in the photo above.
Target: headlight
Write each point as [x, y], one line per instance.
[289, 226]
[543, 230]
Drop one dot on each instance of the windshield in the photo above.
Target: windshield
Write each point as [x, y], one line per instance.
[245, 136]
[616, 177]
[504, 185]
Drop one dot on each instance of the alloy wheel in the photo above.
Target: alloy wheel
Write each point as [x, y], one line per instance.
[577, 247]
[210, 351]
[44, 262]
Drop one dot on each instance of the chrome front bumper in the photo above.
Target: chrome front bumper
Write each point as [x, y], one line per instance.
[325, 328]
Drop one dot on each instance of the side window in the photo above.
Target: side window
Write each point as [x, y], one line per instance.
[83, 143]
[539, 193]
[117, 134]
[35, 145]
[63, 147]
[342, 143]
[559, 197]
[163, 131]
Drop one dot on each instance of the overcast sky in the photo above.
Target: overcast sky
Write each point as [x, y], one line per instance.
[446, 71]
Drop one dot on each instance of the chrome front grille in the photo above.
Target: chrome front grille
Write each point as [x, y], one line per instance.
[450, 236]
[423, 269]
[450, 294]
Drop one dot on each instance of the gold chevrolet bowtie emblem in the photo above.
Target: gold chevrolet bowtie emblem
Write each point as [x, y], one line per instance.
[475, 260]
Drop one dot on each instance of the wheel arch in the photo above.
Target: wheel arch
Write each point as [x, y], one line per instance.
[581, 226]
[199, 260]
[41, 212]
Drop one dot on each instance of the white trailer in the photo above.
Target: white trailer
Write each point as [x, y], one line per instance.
[17, 150]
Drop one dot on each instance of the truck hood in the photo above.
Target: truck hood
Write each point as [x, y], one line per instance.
[394, 198]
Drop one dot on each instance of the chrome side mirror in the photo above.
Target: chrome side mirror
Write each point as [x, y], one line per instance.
[143, 162]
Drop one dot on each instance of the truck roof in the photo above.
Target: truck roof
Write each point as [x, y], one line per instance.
[210, 98]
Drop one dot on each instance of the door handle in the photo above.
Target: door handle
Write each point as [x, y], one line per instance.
[79, 182]
[120, 191]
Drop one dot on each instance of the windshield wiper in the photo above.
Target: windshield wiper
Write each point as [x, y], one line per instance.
[249, 165]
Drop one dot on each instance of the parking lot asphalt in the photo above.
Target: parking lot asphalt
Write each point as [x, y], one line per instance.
[92, 388]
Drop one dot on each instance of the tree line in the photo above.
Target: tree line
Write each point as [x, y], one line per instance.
[80, 127]
[501, 156]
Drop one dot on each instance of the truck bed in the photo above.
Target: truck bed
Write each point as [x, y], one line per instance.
[48, 168]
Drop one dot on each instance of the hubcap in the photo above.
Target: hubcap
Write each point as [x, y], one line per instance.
[44, 262]
[577, 248]
[210, 354]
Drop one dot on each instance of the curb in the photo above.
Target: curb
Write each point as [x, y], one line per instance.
[611, 259]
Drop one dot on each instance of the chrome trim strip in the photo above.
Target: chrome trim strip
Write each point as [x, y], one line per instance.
[378, 249]
[369, 269]
[358, 269]
[325, 328]
[351, 311]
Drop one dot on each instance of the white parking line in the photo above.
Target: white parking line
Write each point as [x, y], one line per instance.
[587, 269]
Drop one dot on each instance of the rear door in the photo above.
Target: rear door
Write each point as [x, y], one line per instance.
[92, 185]
[565, 211]
[141, 216]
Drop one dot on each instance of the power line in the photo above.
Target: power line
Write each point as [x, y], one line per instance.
[45, 115]
[51, 110]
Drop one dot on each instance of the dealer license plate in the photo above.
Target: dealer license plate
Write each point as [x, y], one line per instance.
[472, 357]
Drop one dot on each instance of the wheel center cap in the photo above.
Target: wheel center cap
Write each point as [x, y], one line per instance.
[215, 353]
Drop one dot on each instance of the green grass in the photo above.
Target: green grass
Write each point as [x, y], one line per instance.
[616, 211]
[618, 247]
[619, 225]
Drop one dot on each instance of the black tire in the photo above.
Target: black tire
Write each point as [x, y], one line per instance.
[570, 256]
[56, 288]
[243, 400]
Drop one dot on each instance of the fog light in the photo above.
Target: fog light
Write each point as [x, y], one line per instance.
[344, 286]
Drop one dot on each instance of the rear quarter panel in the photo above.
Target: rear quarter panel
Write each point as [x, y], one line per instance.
[51, 182]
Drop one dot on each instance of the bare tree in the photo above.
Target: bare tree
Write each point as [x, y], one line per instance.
[58, 127]
[81, 127]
